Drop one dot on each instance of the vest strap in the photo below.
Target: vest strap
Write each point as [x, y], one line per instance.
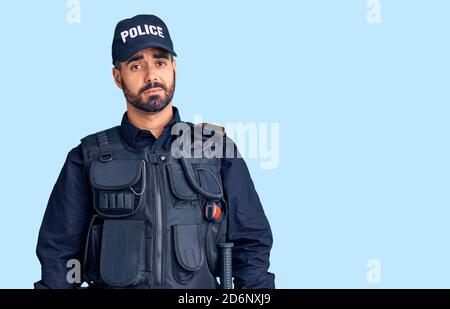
[105, 149]
[101, 145]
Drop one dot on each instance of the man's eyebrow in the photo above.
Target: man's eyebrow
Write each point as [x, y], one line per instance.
[135, 58]
[161, 56]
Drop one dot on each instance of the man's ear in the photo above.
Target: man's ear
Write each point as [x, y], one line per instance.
[117, 77]
[174, 65]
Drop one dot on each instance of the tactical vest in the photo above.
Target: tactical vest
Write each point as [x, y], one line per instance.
[149, 228]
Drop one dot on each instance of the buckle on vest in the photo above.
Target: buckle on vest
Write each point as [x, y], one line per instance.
[106, 156]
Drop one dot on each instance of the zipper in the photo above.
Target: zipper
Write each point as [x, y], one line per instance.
[158, 221]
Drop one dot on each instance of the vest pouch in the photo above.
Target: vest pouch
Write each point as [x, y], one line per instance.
[209, 176]
[118, 186]
[189, 253]
[182, 194]
[122, 253]
[92, 260]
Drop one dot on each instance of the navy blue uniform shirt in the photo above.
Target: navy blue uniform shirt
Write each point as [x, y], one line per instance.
[64, 227]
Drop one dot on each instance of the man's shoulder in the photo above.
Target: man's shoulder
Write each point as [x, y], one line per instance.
[89, 145]
[211, 127]
[205, 128]
[75, 156]
[93, 137]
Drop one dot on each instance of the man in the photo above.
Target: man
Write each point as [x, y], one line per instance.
[135, 212]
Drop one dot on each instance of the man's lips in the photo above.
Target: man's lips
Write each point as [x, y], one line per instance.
[152, 90]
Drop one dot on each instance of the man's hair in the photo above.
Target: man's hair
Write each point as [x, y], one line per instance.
[117, 62]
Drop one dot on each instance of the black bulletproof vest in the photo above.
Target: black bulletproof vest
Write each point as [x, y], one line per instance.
[149, 228]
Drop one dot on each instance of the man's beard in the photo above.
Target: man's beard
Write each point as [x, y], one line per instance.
[154, 103]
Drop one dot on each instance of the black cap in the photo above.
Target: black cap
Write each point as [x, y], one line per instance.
[141, 31]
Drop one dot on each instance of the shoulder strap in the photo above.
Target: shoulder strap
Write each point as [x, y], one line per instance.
[101, 145]
[211, 129]
[206, 129]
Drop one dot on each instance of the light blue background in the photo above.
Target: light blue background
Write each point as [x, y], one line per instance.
[363, 112]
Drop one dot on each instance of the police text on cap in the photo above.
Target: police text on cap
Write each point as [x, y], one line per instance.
[135, 31]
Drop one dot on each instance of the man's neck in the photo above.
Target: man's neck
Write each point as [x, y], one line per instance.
[153, 122]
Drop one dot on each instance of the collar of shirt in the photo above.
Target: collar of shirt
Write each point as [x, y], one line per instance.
[138, 138]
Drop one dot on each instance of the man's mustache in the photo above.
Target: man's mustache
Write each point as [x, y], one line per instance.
[152, 85]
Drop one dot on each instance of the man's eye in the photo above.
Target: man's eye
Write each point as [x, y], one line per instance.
[161, 63]
[136, 67]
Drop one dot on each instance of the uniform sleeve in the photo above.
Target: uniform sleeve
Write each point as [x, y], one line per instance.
[64, 226]
[248, 227]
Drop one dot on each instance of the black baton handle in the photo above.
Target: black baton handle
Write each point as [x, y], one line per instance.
[226, 268]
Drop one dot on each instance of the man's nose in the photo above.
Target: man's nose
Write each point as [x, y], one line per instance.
[151, 76]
